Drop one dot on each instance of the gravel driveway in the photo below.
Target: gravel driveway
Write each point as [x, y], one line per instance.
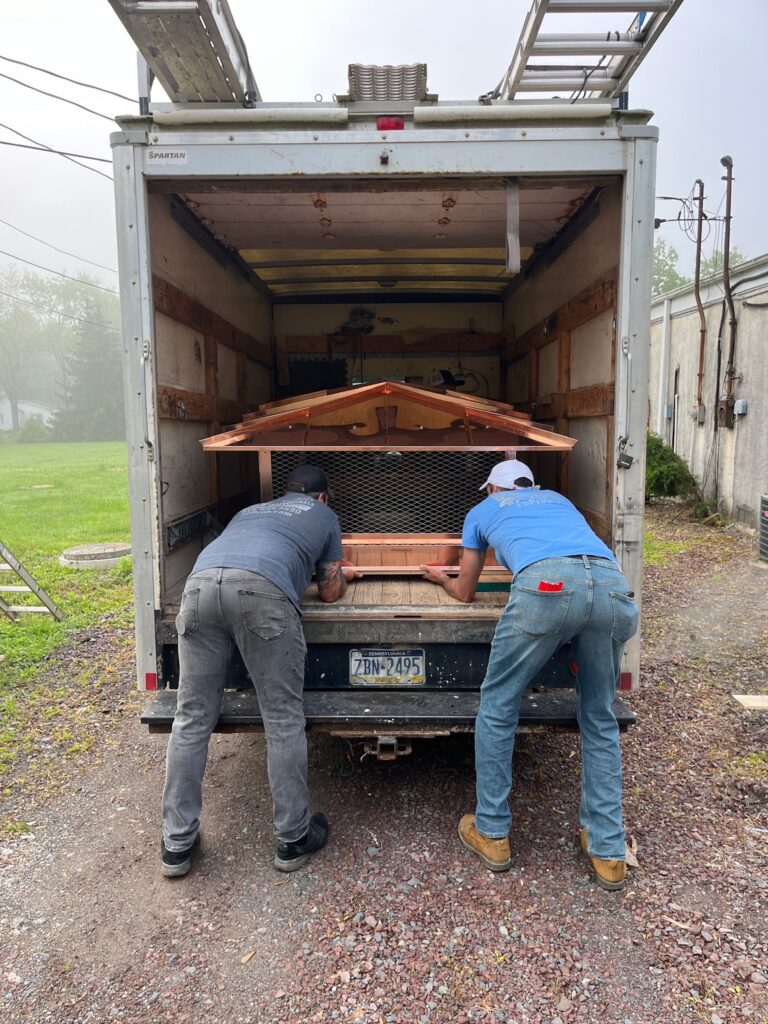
[395, 922]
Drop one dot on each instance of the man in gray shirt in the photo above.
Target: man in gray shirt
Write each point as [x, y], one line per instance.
[244, 591]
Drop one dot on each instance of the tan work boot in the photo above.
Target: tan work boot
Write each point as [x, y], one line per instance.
[494, 853]
[609, 874]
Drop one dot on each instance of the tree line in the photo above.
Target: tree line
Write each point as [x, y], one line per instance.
[60, 346]
[666, 276]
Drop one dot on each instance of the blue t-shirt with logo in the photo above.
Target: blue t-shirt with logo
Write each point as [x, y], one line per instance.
[527, 525]
[282, 540]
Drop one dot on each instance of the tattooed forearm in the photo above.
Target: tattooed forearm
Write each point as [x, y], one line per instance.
[331, 583]
[328, 571]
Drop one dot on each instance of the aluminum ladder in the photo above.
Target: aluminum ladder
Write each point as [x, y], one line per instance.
[31, 586]
[192, 47]
[613, 57]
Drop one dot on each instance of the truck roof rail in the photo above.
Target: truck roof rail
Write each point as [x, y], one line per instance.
[192, 47]
[615, 56]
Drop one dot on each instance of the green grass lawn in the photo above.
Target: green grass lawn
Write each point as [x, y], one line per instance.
[55, 496]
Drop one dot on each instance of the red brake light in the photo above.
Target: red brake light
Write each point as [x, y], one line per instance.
[390, 124]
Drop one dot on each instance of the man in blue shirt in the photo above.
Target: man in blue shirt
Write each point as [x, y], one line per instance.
[567, 586]
[244, 591]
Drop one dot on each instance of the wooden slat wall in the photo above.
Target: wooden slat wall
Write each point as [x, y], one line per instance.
[560, 407]
[179, 306]
[210, 407]
[351, 344]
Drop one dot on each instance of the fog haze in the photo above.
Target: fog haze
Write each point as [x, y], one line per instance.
[702, 82]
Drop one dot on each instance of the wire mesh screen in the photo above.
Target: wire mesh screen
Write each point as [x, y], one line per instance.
[396, 492]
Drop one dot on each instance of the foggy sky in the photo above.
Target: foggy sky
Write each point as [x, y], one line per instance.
[703, 80]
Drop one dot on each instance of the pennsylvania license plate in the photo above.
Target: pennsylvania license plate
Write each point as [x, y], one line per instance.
[374, 666]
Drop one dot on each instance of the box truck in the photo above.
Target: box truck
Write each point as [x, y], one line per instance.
[500, 251]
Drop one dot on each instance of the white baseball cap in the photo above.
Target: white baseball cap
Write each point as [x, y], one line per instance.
[505, 473]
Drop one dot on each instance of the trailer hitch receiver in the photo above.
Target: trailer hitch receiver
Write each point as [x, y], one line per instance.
[387, 748]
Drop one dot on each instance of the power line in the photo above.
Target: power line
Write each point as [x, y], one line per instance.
[57, 312]
[48, 270]
[64, 78]
[56, 152]
[51, 150]
[64, 252]
[55, 96]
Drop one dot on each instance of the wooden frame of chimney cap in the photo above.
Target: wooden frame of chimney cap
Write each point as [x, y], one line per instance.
[262, 430]
[460, 418]
[387, 554]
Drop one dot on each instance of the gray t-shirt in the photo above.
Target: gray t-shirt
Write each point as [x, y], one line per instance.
[282, 540]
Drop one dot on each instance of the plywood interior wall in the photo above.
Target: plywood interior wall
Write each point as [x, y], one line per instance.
[408, 341]
[559, 361]
[213, 356]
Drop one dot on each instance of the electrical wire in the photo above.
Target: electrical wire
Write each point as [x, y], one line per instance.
[56, 312]
[48, 270]
[59, 152]
[587, 72]
[64, 252]
[55, 96]
[64, 78]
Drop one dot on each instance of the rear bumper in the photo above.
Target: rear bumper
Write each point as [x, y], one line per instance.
[373, 712]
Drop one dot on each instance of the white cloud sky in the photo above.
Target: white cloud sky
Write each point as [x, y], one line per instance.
[703, 81]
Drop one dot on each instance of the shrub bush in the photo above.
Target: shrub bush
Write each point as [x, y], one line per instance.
[34, 431]
[666, 474]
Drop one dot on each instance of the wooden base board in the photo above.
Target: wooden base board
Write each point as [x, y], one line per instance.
[752, 701]
[491, 573]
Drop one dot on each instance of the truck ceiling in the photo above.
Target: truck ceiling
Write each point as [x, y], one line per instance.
[372, 238]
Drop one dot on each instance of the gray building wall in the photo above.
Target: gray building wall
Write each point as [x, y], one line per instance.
[730, 464]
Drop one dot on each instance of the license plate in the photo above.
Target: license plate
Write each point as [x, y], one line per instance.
[375, 666]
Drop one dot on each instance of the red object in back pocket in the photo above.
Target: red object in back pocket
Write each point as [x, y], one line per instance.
[550, 587]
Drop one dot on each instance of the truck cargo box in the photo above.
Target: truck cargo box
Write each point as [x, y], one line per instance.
[262, 259]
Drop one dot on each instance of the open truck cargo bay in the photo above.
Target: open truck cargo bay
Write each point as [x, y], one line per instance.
[273, 252]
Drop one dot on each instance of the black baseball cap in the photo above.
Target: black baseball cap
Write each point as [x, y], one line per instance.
[306, 479]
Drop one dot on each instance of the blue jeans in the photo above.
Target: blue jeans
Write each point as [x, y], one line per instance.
[221, 609]
[594, 611]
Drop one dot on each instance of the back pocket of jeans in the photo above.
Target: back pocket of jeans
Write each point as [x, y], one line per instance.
[187, 620]
[540, 612]
[626, 615]
[263, 614]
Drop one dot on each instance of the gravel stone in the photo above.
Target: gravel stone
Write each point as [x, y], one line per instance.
[351, 938]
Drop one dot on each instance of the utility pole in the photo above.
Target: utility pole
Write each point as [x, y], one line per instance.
[699, 410]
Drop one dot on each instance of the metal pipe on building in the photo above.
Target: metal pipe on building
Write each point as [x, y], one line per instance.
[697, 293]
[661, 405]
[730, 373]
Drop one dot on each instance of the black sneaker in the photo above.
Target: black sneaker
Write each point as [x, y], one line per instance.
[177, 862]
[292, 856]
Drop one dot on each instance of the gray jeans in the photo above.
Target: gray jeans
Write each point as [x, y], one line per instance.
[220, 609]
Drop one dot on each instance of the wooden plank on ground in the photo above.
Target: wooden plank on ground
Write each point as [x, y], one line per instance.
[752, 701]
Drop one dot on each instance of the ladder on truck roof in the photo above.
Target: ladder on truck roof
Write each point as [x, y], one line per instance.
[192, 47]
[31, 586]
[615, 56]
